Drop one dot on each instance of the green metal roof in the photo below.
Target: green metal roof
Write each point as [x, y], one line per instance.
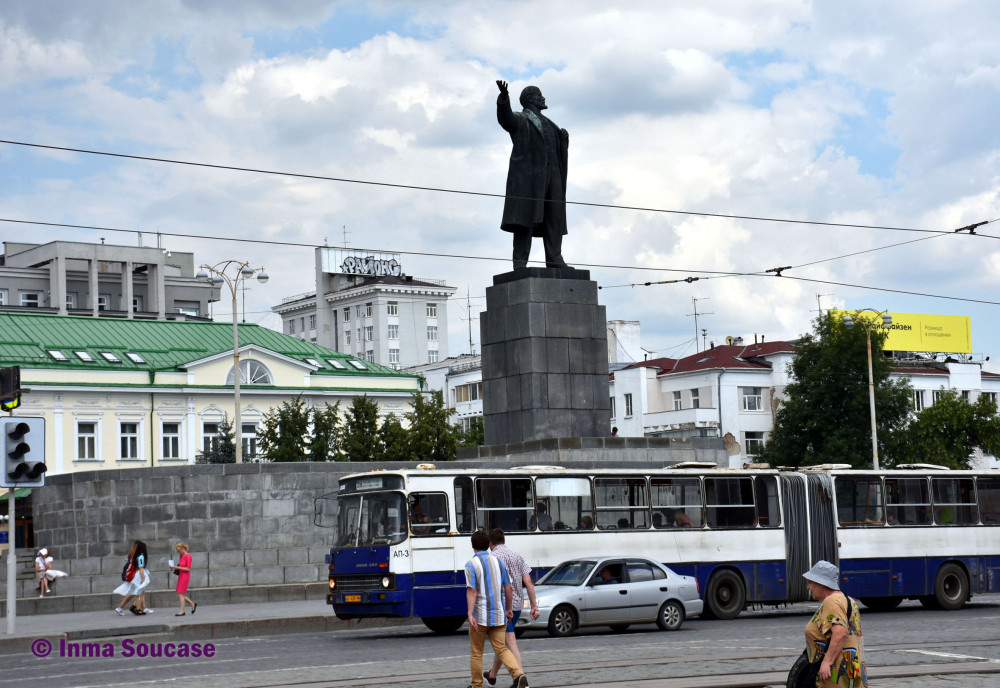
[165, 345]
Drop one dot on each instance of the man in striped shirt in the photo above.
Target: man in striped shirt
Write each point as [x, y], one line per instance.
[488, 594]
[520, 581]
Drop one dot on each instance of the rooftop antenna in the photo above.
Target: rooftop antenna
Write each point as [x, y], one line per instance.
[469, 317]
[819, 305]
[345, 235]
[695, 301]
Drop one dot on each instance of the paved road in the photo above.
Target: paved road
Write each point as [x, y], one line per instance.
[754, 650]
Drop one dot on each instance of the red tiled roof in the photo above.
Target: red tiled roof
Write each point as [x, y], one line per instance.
[665, 364]
[730, 356]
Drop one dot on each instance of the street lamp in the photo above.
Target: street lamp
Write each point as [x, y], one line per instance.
[868, 323]
[243, 272]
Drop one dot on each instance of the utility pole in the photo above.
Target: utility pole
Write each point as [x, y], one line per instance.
[819, 305]
[695, 301]
[469, 317]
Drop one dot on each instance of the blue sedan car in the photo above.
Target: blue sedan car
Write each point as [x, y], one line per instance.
[611, 591]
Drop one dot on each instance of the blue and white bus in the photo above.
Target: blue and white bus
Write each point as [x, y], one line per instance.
[402, 536]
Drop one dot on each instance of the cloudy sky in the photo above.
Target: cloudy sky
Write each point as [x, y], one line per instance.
[835, 111]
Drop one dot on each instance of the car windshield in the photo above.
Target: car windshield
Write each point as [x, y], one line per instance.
[568, 573]
[377, 518]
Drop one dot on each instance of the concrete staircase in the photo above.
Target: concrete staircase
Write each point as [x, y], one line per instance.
[228, 577]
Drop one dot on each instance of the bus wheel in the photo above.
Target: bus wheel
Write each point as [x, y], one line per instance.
[562, 622]
[951, 587]
[443, 624]
[881, 604]
[725, 596]
[670, 616]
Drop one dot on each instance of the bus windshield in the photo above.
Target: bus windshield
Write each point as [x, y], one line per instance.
[568, 573]
[375, 518]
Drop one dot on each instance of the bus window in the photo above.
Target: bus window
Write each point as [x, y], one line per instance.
[907, 502]
[428, 513]
[621, 503]
[988, 491]
[859, 501]
[504, 503]
[954, 501]
[465, 506]
[676, 502]
[729, 502]
[562, 503]
[766, 491]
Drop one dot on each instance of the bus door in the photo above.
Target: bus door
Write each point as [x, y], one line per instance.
[436, 588]
[810, 530]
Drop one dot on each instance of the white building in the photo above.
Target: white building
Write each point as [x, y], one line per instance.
[371, 310]
[732, 391]
[460, 380]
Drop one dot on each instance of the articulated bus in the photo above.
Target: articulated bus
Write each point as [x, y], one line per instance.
[402, 536]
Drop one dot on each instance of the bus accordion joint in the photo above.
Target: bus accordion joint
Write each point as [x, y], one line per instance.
[694, 464]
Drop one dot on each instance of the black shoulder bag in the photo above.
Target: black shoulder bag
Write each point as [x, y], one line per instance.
[803, 672]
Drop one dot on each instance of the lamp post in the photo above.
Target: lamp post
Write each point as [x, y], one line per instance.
[218, 275]
[868, 323]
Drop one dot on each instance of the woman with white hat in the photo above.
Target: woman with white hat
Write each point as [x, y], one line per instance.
[833, 634]
[41, 572]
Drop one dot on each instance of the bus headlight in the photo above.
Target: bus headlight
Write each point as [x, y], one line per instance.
[386, 581]
[333, 584]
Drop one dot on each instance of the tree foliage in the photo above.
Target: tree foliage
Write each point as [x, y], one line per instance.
[948, 432]
[825, 416]
[324, 444]
[395, 439]
[361, 440]
[475, 435]
[222, 449]
[431, 436]
[284, 432]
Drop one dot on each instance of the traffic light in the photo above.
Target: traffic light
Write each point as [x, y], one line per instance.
[10, 388]
[23, 452]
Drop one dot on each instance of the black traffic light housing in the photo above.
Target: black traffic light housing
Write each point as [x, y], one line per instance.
[22, 452]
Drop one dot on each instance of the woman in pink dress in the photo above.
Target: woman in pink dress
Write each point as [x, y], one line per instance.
[183, 571]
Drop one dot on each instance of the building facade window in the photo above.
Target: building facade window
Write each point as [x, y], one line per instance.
[393, 332]
[470, 392]
[392, 308]
[347, 337]
[677, 401]
[612, 401]
[357, 312]
[249, 440]
[432, 310]
[103, 302]
[432, 356]
[359, 337]
[291, 326]
[368, 310]
[71, 300]
[129, 441]
[369, 332]
[394, 357]
[3, 297]
[628, 405]
[86, 441]
[753, 443]
[347, 314]
[312, 322]
[171, 440]
[252, 372]
[432, 333]
[752, 398]
[992, 396]
[918, 400]
[210, 437]
[938, 395]
[370, 355]
[31, 299]
[695, 399]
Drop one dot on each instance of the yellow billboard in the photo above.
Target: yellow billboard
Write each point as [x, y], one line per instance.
[920, 332]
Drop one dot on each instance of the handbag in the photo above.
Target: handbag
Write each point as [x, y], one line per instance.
[128, 571]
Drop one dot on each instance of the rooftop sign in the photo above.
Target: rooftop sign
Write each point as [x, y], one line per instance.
[920, 332]
[354, 262]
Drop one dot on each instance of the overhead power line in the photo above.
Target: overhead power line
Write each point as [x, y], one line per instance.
[414, 187]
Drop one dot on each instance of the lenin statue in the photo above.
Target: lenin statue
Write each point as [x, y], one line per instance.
[535, 203]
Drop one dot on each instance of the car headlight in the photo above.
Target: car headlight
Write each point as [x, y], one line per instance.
[385, 581]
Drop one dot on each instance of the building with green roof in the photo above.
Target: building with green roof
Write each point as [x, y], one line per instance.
[119, 393]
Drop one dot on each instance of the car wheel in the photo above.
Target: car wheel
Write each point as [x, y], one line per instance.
[443, 625]
[951, 587]
[671, 616]
[619, 628]
[725, 595]
[562, 622]
[881, 604]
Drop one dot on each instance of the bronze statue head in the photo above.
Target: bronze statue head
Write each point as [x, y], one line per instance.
[531, 97]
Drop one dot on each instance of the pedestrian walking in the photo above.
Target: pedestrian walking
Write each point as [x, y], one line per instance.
[520, 579]
[834, 654]
[488, 597]
[135, 577]
[183, 571]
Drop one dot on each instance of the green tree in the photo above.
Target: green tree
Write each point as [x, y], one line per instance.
[285, 432]
[475, 435]
[948, 432]
[825, 416]
[432, 436]
[222, 448]
[395, 439]
[324, 445]
[360, 437]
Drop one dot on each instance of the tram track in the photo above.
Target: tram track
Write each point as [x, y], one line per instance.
[552, 675]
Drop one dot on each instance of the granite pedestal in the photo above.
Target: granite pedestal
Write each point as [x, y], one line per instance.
[545, 357]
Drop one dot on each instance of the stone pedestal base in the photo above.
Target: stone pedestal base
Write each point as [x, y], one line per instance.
[545, 357]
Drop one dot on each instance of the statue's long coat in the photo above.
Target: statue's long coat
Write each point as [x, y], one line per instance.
[524, 205]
